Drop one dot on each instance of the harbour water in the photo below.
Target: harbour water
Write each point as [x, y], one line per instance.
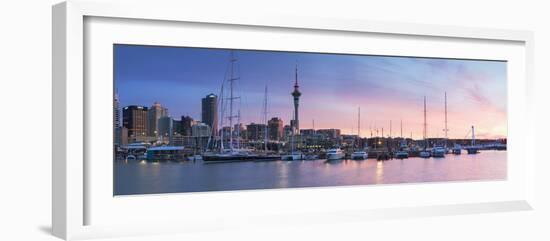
[173, 177]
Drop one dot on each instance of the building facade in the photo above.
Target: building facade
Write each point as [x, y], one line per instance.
[155, 112]
[134, 118]
[255, 131]
[276, 129]
[186, 123]
[209, 113]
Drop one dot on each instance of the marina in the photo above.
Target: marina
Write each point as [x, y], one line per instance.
[223, 145]
[141, 177]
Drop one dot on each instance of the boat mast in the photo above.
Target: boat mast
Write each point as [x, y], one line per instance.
[401, 127]
[222, 112]
[473, 137]
[425, 125]
[231, 98]
[359, 122]
[446, 130]
[265, 119]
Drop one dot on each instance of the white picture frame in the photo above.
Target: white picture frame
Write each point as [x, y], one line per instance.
[73, 185]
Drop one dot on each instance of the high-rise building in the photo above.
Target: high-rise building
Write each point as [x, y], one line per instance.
[209, 114]
[156, 111]
[116, 111]
[165, 127]
[186, 123]
[276, 129]
[296, 96]
[134, 118]
[176, 126]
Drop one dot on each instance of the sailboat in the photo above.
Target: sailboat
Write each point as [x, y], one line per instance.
[232, 153]
[265, 155]
[473, 148]
[425, 153]
[403, 152]
[359, 154]
[440, 150]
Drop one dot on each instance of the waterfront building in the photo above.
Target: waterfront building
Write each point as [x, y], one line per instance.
[307, 132]
[330, 133]
[295, 123]
[186, 123]
[116, 111]
[155, 112]
[275, 128]
[134, 118]
[165, 126]
[176, 126]
[209, 113]
[200, 130]
[255, 131]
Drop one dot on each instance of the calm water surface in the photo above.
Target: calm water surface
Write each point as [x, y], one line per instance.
[148, 178]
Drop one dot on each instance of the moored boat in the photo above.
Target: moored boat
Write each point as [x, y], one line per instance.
[359, 155]
[293, 156]
[457, 150]
[335, 154]
[424, 154]
[438, 151]
[401, 154]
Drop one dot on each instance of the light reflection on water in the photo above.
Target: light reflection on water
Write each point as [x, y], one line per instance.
[169, 177]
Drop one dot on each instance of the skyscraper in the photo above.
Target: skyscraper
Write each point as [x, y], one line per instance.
[154, 114]
[116, 111]
[296, 95]
[134, 118]
[210, 112]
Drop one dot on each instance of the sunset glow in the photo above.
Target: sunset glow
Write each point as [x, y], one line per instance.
[333, 87]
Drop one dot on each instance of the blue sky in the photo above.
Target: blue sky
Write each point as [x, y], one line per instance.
[333, 87]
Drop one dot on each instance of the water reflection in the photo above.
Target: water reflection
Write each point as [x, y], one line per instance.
[379, 172]
[144, 177]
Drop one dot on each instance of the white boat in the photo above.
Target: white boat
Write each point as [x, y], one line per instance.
[293, 156]
[359, 155]
[424, 154]
[438, 151]
[335, 154]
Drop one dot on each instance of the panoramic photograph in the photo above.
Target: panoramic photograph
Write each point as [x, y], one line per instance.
[189, 119]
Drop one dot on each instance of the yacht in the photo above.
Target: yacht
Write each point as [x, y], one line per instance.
[293, 156]
[424, 154]
[439, 151]
[359, 155]
[335, 154]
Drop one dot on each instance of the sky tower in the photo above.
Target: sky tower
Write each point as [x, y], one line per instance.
[296, 94]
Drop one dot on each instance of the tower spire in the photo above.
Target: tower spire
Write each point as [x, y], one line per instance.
[296, 97]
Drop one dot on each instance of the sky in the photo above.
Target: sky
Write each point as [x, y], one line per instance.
[333, 86]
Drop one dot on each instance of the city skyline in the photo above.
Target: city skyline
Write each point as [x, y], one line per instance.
[332, 86]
